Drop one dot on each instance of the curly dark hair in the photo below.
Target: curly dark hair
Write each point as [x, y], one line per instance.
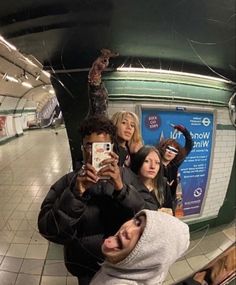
[97, 124]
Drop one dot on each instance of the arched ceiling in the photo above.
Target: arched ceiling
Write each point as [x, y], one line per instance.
[181, 35]
[20, 75]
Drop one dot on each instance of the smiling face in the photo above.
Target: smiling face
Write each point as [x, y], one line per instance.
[150, 166]
[126, 128]
[118, 247]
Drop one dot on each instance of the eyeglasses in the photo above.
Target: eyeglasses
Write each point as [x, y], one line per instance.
[172, 149]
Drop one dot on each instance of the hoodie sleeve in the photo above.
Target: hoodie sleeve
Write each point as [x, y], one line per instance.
[60, 212]
[179, 239]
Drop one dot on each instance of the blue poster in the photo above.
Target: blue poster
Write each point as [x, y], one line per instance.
[193, 172]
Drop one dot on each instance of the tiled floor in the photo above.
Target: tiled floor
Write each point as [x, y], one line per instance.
[29, 165]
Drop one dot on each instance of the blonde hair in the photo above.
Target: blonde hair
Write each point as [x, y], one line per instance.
[117, 119]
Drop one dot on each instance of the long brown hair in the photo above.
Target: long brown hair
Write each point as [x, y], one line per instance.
[159, 181]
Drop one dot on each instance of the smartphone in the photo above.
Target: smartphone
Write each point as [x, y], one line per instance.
[100, 151]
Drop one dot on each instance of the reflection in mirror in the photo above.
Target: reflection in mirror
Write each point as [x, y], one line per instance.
[30, 113]
[221, 270]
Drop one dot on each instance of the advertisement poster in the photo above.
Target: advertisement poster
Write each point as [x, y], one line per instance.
[3, 127]
[157, 124]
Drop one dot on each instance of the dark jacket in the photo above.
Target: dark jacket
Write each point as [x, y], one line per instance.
[167, 198]
[168, 203]
[81, 223]
[171, 170]
[125, 156]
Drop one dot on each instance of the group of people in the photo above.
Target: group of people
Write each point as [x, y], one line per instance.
[127, 218]
[156, 166]
[82, 209]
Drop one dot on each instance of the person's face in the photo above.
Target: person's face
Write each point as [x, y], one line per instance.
[170, 153]
[89, 140]
[119, 246]
[126, 128]
[151, 166]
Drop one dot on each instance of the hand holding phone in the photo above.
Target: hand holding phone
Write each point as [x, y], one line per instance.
[111, 169]
[105, 162]
[86, 177]
[100, 152]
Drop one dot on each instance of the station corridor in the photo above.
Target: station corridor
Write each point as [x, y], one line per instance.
[28, 166]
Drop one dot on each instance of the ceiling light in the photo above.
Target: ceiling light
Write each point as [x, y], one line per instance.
[35, 61]
[7, 43]
[30, 61]
[37, 76]
[12, 79]
[26, 84]
[46, 73]
[4, 75]
[7, 77]
[170, 72]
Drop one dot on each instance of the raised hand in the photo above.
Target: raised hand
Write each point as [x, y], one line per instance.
[99, 65]
[179, 128]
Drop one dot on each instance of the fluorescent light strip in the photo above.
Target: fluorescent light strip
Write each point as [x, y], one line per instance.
[30, 61]
[46, 73]
[26, 84]
[163, 71]
[12, 79]
[7, 43]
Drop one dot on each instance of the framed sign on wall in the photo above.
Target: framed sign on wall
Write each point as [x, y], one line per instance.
[193, 175]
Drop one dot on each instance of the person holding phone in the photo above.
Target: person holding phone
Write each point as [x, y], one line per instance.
[82, 208]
